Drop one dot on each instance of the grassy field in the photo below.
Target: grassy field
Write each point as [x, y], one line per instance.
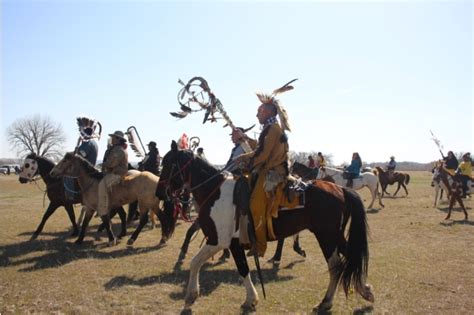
[419, 263]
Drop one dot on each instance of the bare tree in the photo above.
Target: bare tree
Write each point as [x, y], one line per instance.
[37, 134]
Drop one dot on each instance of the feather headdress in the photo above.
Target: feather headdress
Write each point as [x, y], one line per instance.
[89, 128]
[271, 99]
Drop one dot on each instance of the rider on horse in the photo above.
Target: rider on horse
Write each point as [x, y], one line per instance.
[353, 170]
[115, 167]
[151, 162]
[391, 167]
[87, 148]
[269, 169]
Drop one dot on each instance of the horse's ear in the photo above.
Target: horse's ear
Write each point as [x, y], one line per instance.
[174, 146]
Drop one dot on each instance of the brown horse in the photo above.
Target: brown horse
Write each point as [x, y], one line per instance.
[454, 188]
[137, 186]
[328, 209]
[401, 179]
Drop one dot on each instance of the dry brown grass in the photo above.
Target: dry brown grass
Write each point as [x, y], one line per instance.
[419, 263]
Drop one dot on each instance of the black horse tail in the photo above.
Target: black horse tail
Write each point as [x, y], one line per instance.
[407, 179]
[356, 261]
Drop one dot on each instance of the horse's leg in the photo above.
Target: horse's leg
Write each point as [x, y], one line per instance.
[143, 222]
[398, 188]
[81, 216]
[436, 195]
[277, 256]
[110, 233]
[405, 187]
[452, 200]
[132, 211]
[72, 217]
[374, 195]
[194, 228]
[85, 223]
[49, 211]
[379, 195]
[112, 214]
[192, 291]
[123, 219]
[329, 248]
[296, 245]
[238, 254]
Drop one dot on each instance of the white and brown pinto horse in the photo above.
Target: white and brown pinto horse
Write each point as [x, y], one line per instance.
[136, 186]
[335, 175]
[452, 186]
[326, 213]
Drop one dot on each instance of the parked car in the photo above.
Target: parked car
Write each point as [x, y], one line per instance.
[4, 169]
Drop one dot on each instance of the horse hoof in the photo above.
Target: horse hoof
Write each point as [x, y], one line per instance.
[368, 294]
[78, 242]
[322, 308]
[249, 307]
[162, 242]
[274, 262]
[34, 236]
[190, 299]
[112, 242]
[130, 242]
[74, 234]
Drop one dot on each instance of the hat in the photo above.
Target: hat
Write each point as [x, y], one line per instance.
[392, 157]
[118, 134]
[243, 130]
[200, 150]
[152, 143]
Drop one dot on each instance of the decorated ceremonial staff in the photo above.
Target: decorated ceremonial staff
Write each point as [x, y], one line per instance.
[438, 143]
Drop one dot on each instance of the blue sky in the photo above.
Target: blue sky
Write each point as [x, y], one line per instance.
[374, 76]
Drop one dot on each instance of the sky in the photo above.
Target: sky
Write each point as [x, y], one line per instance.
[374, 77]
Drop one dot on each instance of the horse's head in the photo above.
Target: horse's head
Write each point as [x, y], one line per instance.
[436, 176]
[175, 171]
[65, 167]
[29, 169]
[306, 173]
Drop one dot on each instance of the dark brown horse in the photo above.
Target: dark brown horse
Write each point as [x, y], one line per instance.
[34, 165]
[326, 213]
[55, 189]
[401, 179]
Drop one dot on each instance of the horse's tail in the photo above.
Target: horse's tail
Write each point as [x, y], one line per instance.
[355, 264]
[407, 179]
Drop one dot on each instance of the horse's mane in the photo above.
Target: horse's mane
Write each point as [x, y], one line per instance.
[86, 165]
[206, 170]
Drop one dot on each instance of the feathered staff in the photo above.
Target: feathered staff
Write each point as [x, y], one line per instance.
[437, 142]
[197, 91]
[135, 142]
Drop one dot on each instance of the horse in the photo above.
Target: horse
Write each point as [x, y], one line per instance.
[334, 175]
[136, 186]
[401, 178]
[453, 189]
[326, 213]
[34, 165]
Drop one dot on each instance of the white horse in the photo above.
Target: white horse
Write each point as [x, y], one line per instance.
[367, 179]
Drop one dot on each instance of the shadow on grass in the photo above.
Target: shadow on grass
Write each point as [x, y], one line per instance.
[210, 280]
[450, 222]
[58, 252]
[372, 210]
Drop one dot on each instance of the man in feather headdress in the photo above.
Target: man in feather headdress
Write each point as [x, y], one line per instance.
[269, 167]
